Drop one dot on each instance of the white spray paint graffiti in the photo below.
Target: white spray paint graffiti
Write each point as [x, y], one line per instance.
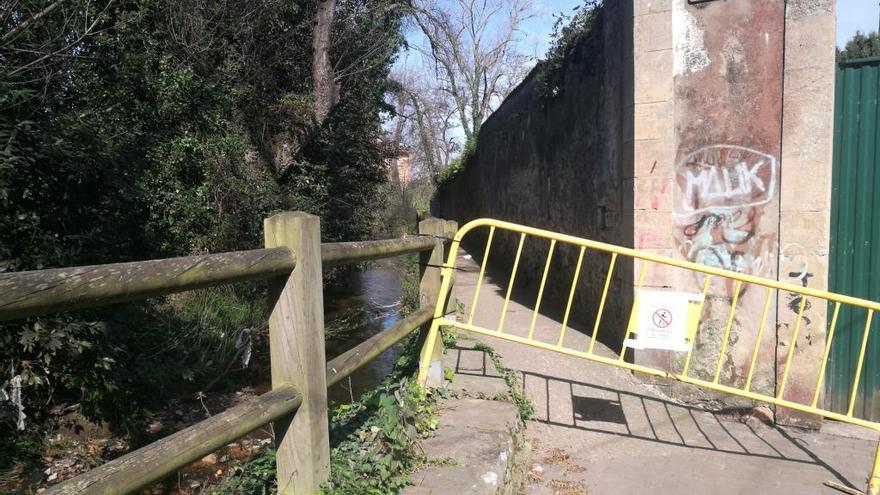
[718, 205]
[689, 54]
[726, 176]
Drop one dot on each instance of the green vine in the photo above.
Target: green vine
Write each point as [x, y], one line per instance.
[568, 31]
[456, 166]
[524, 406]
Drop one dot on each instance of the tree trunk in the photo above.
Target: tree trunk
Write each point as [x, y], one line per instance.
[323, 77]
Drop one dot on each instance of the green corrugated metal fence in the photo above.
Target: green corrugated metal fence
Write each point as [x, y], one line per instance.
[854, 267]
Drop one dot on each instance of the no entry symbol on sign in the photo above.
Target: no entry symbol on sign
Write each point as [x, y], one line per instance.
[662, 318]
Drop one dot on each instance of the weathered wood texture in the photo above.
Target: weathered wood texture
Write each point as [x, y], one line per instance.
[33, 293]
[296, 342]
[431, 263]
[296, 346]
[187, 446]
[138, 469]
[336, 253]
[345, 364]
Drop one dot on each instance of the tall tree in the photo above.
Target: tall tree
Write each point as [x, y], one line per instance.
[323, 76]
[424, 122]
[136, 129]
[472, 47]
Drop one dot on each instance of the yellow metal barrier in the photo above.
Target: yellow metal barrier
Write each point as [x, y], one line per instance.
[694, 316]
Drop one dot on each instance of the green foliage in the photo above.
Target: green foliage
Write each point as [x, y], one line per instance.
[524, 406]
[372, 440]
[450, 337]
[568, 31]
[420, 191]
[256, 477]
[457, 165]
[409, 283]
[171, 128]
[860, 46]
[448, 373]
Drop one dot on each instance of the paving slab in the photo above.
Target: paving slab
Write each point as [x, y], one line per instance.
[600, 430]
[475, 451]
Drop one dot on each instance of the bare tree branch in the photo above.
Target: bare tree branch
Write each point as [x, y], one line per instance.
[24, 25]
[472, 46]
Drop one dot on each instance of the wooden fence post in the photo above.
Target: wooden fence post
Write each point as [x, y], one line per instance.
[430, 263]
[296, 340]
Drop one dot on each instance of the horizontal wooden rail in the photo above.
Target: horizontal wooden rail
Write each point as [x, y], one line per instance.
[345, 364]
[293, 258]
[148, 464]
[39, 292]
[337, 253]
[34, 293]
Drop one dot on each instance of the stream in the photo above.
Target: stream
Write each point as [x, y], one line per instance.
[367, 302]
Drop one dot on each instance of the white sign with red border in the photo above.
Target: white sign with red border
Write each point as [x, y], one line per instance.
[661, 320]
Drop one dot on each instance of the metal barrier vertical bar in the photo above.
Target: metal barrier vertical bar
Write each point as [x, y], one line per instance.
[874, 480]
[828, 341]
[758, 340]
[541, 288]
[447, 273]
[792, 345]
[482, 272]
[687, 359]
[736, 290]
[634, 305]
[855, 387]
[522, 238]
[574, 280]
[602, 302]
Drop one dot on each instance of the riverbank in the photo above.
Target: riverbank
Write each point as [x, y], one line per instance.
[358, 304]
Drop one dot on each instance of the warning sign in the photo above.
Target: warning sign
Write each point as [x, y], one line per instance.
[662, 320]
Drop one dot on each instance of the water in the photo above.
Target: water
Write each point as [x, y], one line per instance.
[366, 303]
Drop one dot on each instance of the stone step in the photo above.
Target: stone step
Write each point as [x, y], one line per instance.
[477, 449]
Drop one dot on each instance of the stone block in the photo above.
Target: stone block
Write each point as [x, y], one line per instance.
[642, 7]
[652, 31]
[807, 192]
[476, 449]
[653, 120]
[809, 41]
[804, 231]
[648, 193]
[654, 157]
[653, 229]
[653, 76]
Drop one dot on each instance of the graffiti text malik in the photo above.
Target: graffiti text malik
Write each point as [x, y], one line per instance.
[715, 182]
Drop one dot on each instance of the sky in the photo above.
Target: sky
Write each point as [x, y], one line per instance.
[537, 30]
[856, 15]
[852, 16]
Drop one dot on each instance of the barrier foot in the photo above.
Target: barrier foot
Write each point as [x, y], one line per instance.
[427, 355]
[874, 480]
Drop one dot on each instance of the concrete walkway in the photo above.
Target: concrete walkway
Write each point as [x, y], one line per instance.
[599, 430]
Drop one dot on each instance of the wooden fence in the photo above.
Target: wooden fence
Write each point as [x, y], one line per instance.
[292, 260]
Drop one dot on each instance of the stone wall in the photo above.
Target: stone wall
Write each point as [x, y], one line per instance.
[696, 131]
[555, 158]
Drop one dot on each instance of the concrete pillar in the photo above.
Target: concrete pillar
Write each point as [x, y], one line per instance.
[729, 140]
